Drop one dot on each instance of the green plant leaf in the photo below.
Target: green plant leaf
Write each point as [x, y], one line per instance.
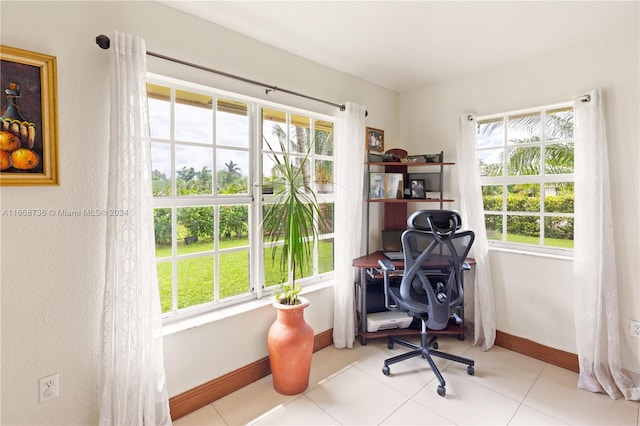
[293, 217]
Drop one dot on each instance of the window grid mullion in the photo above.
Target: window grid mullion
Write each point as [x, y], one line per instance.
[216, 254]
[174, 259]
[543, 173]
[214, 143]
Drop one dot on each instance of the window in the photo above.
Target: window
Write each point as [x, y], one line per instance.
[208, 152]
[526, 172]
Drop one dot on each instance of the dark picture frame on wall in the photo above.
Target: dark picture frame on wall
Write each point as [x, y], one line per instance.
[375, 139]
[28, 118]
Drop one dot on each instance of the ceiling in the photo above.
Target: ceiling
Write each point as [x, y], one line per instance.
[402, 45]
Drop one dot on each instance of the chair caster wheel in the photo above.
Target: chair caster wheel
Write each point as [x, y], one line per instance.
[442, 391]
[386, 370]
[390, 345]
[470, 370]
[435, 345]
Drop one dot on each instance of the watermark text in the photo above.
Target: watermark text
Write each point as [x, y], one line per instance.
[60, 212]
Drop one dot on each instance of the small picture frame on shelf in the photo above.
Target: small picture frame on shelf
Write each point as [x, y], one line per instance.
[417, 188]
[376, 186]
[375, 139]
[394, 185]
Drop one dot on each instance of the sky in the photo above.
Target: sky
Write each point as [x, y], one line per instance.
[194, 126]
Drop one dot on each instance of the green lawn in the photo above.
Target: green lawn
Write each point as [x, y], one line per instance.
[196, 275]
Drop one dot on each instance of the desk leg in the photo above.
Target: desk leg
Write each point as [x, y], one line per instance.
[363, 305]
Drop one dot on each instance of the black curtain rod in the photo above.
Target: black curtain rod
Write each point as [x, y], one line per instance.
[104, 42]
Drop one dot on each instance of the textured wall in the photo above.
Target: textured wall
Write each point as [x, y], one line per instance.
[53, 267]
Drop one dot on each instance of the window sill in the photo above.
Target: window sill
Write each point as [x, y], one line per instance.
[198, 320]
[548, 255]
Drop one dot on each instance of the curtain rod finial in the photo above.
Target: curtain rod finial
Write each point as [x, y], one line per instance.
[103, 41]
[343, 107]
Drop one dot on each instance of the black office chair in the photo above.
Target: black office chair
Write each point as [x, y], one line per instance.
[432, 287]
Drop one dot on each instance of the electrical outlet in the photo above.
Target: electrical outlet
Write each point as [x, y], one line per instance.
[634, 328]
[48, 387]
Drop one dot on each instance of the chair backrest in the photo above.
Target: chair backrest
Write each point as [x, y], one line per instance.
[439, 222]
[434, 256]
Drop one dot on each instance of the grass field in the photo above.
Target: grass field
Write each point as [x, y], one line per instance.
[196, 275]
[522, 239]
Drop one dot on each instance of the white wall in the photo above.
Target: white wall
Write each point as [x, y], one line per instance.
[534, 295]
[52, 269]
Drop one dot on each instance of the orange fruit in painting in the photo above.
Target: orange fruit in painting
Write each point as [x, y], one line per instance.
[24, 159]
[9, 141]
[5, 160]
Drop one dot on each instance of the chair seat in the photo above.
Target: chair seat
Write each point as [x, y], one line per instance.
[413, 307]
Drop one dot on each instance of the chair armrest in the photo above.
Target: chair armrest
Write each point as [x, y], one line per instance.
[464, 266]
[386, 265]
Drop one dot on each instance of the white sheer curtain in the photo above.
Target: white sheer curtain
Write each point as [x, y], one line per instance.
[349, 172]
[133, 382]
[601, 346]
[472, 212]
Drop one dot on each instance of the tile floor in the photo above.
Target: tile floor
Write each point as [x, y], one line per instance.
[347, 387]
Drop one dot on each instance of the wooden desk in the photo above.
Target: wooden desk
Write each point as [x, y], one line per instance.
[369, 267]
[435, 261]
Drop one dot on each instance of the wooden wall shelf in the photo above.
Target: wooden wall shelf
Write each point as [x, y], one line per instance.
[410, 200]
[395, 217]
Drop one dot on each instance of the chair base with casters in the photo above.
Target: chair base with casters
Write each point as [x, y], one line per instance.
[426, 349]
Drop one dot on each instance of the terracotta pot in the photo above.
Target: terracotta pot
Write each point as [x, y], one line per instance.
[290, 342]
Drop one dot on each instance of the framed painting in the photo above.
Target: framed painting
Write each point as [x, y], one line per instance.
[28, 118]
[375, 139]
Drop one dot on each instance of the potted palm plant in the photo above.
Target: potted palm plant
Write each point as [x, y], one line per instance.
[291, 224]
[323, 177]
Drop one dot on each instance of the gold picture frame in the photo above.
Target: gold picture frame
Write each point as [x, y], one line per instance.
[374, 139]
[28, 118]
